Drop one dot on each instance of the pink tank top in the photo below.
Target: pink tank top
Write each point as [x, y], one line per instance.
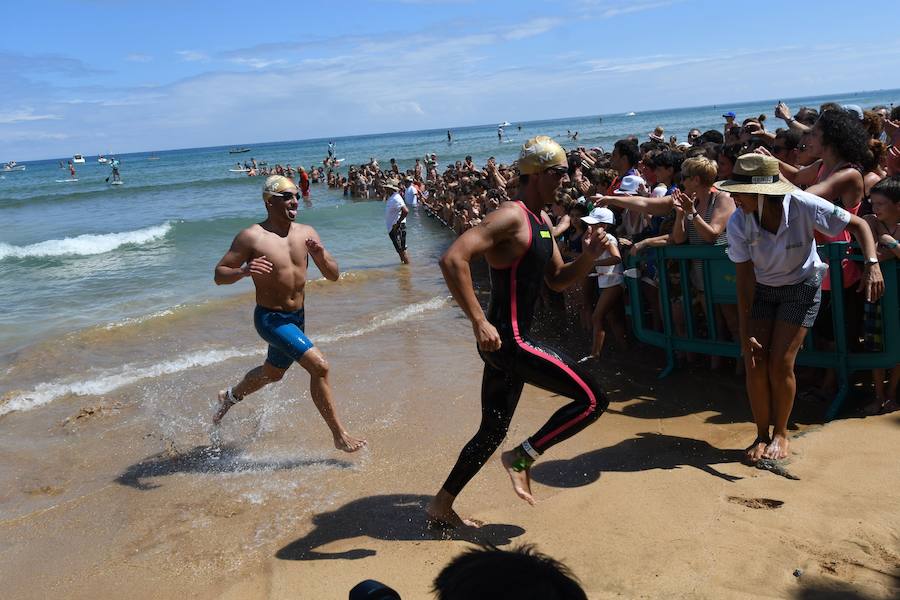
[850, 269]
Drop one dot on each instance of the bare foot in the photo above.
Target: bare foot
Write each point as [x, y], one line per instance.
[446, 518]
[224, 405]
[348, 444]
[777, 448]
[521, 480]
[755, 450]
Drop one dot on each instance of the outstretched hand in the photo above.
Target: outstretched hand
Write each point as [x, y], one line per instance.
[258, 266]
[598, 200]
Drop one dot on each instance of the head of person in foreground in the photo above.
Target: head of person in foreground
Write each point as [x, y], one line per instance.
[522, 573]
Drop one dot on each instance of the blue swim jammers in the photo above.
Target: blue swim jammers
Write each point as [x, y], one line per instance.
[284, 332]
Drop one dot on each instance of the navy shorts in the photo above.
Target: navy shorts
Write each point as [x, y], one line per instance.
[284, 332]
[797, 304]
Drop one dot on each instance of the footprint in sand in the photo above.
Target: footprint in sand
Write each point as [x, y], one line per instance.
[756, 502]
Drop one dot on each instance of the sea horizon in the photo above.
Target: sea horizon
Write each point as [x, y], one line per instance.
[356, 136]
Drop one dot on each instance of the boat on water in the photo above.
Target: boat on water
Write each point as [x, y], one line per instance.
[504, 124]
[631, 114]
[78, 159]
[102, 159]
[238, 150]
[13, 166]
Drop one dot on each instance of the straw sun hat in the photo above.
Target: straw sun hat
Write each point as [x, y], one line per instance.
[756, 174]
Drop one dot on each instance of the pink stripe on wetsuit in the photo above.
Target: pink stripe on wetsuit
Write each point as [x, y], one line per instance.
[521, 360]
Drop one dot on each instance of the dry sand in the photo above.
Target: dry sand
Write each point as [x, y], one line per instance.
[650, 502]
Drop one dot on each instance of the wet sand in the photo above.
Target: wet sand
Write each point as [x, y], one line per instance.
[119, 493]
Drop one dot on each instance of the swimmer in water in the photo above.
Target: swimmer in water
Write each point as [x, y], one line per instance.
[516, 241]
[275, 253]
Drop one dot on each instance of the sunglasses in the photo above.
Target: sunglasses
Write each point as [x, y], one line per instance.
[558, 171]
[286, 195]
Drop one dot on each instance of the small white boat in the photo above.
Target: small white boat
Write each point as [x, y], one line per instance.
[13, 166]
[504, 124]
[631, 114]
[78, 159]
[102, 159]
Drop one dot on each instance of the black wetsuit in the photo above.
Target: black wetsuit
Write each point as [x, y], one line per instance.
[521, 360]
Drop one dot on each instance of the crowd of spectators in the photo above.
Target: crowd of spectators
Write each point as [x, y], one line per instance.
[661, 191]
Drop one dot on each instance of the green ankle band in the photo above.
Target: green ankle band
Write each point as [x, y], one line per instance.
[521, 463]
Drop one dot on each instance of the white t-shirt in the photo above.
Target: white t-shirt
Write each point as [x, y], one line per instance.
[788, 256]
[411, 195]
[609, 275]
[393, 207]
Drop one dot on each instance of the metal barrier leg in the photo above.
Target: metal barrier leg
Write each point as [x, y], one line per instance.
[666, 307]
[843, 387]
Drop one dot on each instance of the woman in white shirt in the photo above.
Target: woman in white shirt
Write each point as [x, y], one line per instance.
[779, 278]
[609, 271]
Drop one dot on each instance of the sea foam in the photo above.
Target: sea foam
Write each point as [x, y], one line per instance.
[107, 381]
[87, 244]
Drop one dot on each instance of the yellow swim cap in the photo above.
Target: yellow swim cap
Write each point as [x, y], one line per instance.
[540, 153]
[277, 184]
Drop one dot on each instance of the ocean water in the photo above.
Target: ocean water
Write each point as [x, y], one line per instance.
[79, 256]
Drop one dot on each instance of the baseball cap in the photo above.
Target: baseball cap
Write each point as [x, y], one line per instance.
[730, 113]
[600, 215]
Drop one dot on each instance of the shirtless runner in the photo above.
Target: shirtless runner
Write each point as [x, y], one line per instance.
[275, 253]
[516, 241]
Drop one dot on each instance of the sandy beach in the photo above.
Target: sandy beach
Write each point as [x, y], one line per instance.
[228, 255]
[128, 498]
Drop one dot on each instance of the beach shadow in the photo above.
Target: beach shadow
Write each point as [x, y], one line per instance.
[226, 458]
[646, 452]
[688, 392]
[821, 589]
[391, 517]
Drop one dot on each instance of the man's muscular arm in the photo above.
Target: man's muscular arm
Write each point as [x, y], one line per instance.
[496, 228]
[323, 259]
[232, 267]
[561, 275]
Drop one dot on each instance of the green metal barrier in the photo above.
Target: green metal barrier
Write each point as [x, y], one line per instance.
[719, 283]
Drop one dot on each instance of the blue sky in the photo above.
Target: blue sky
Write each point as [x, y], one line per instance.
[101, 76]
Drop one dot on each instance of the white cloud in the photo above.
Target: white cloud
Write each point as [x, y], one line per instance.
[532, 28]
[192, 55]
[34, 136]
[22, 116]
[258, 63]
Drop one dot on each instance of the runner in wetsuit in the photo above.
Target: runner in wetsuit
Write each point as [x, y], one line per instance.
[517, 244]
